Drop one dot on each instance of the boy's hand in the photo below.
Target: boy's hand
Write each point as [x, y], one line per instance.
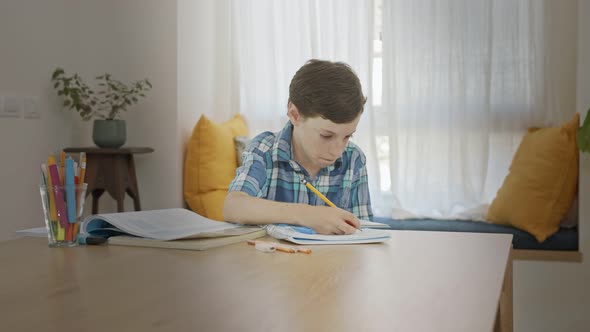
[330, 221]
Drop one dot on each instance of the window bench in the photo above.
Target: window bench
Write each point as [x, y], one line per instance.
[561, 246]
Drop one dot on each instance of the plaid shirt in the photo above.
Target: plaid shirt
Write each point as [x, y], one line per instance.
[268, 171]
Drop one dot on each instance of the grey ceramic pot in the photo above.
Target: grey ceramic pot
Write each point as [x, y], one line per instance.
[109, 133]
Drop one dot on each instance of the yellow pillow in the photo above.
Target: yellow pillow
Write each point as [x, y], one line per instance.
[210, 164]
[541, 184]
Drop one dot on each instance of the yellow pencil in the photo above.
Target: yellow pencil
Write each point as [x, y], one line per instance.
[320, 195]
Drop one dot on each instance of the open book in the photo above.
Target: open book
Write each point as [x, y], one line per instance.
[288, 233]
[167, 228]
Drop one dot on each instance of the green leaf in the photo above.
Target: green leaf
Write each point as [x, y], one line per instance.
[584, 135]
[58, 71]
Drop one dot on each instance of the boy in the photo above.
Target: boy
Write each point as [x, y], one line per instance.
[325, 105]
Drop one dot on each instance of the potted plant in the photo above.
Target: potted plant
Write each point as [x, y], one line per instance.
[104, 104]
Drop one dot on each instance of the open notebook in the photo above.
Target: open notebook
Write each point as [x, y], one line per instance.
[288, 233]
[167, 228]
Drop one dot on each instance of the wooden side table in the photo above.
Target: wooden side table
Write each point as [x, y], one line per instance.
[112, 170]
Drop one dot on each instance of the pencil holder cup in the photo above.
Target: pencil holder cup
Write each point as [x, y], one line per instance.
[63, 207]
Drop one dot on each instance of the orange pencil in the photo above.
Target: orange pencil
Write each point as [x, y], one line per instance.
[283, 248]
[82, 166]
[303, 250]
[70, 232]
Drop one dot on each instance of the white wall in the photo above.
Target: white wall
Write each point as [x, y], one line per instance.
[556, 296]
[135, 39]
[131, 39]
[182, 46]
[206, 84]
[35, 37]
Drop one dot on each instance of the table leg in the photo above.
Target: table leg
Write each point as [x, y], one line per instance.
[504, 318]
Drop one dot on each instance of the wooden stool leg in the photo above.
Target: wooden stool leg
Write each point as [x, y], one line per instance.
[133, 189]
[90, 179]
[135, 197]
[95, 196]
[121, 204]
[120, 171]
[113, 171]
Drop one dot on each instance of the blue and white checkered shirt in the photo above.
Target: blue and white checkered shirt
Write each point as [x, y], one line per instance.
[269, 171]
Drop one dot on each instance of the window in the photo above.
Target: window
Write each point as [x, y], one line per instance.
[382, 137]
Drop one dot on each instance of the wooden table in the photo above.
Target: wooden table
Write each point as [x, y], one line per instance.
[111, 170]
[418, 281]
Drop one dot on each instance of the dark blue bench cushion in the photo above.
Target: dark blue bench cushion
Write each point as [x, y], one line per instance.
[564, 239]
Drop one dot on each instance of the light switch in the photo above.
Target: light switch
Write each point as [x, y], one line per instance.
[31, 108]
[12, 107]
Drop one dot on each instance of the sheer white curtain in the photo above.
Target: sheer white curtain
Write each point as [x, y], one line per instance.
[273, 38]
[462, 80]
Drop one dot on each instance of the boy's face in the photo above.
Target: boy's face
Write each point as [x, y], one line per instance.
[319, 141]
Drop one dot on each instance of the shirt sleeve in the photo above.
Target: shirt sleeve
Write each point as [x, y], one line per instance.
[360, 196]
[251, 176]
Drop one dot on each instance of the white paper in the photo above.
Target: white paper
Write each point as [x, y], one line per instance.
[166, 224]
[372, 224]
[33, 232]
[289, 234]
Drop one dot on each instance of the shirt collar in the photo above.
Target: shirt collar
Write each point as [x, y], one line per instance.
[283, 149]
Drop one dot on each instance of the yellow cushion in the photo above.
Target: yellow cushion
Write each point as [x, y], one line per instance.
[542, 181]
[209, 204]
[210, 164]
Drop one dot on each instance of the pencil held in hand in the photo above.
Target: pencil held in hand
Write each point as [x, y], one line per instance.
[317, 192]
[325, 199]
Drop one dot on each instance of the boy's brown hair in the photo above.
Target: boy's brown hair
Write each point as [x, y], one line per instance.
[327, 89]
